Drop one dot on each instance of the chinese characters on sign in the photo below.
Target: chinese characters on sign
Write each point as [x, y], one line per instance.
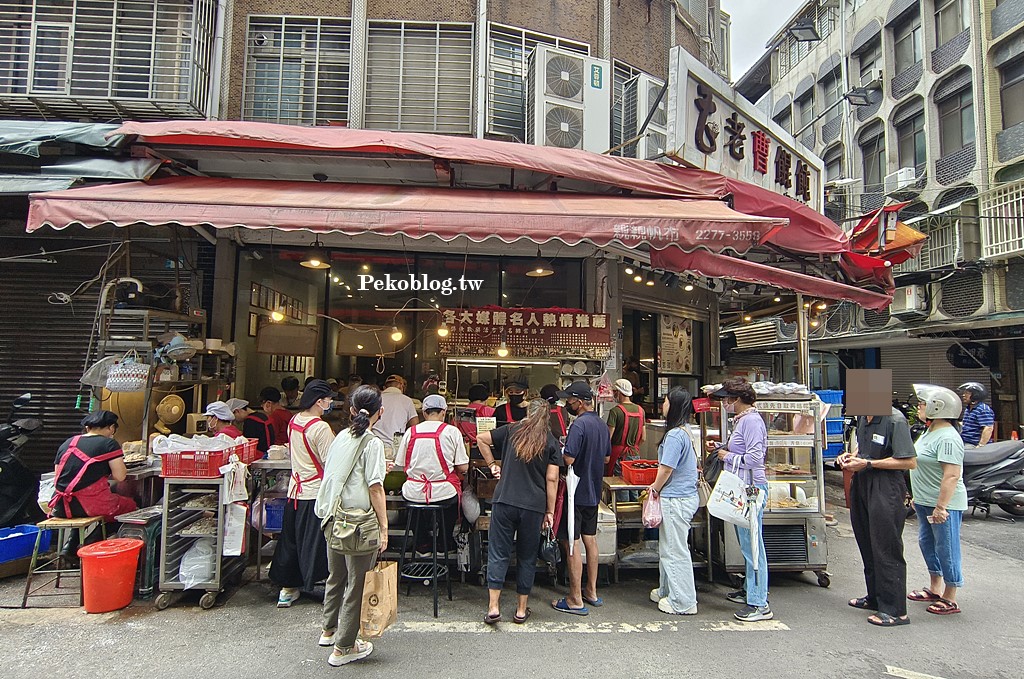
[762, 147]
[734, 128]
[803, 181]
[676, 345]
[706, 136]
[783, 164]
[538, 333]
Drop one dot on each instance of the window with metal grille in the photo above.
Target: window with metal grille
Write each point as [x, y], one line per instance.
[297, 70]
[1002, 229]
[509, 49]
[623, 73]
[419, 77]
[956, 121]
[869, 58]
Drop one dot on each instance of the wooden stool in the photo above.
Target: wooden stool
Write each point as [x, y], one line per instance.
[58, 559]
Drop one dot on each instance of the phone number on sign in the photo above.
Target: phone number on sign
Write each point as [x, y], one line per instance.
[720, 234]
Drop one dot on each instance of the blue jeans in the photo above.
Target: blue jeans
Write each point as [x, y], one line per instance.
[940, 544]
[674, 561]
[756, 583]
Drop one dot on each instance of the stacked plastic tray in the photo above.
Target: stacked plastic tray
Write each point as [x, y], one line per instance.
[834, 423]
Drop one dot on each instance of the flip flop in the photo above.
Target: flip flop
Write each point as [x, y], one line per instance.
[923, 595]
[563, 606]
[492, 619]
[943, 607]
[596, 603]
[861, 603]
[519, 621]
[886, 620]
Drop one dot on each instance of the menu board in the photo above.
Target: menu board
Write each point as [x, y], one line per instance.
[675, 345]
[527, 333]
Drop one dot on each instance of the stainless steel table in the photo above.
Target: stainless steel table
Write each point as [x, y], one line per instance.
[261, 469]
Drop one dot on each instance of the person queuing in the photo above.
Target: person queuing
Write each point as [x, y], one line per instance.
[221, 420]
[587, 450]
[940, 497]
[82, 469]
[745, 454]
[883, 451]
[979, 419]
[399, 412]
[626, 427]
[354, 381]
[512, 410]
[558, 414]
[434, 458]
[676, 486]
[292, 395]
[300, 560]
[477, 407]
[523, 504]
[354, 475]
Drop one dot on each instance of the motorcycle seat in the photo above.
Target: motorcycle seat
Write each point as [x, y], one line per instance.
[975, 456]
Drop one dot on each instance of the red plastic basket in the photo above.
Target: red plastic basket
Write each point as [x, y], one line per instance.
[638, 477]
[198, 464]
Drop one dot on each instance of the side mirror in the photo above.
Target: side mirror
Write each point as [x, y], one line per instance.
[21, 401]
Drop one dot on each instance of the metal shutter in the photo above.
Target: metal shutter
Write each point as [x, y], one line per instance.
[926, 364]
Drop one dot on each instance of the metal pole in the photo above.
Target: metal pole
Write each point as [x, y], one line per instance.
[803, 354]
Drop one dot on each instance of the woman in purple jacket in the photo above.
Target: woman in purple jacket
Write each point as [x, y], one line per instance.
[744, 454]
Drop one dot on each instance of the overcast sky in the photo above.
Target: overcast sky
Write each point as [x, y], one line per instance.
[754, 22]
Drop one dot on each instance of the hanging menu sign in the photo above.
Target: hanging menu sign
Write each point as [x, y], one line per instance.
[527, 333]
[675, 345]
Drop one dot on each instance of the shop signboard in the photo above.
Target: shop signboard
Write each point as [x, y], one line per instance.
[713, 127]
[527, 333]
[675, 345]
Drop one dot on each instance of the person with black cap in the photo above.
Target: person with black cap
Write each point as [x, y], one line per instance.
[277, 414]
[255, 424]
[300, 560]
[513, 409]
[292, 395]
[556, 413]
[587, 450]
[466, 415]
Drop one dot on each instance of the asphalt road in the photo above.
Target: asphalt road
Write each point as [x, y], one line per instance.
[814, 634]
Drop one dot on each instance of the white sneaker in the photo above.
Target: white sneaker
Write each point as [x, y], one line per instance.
[655, 595]
[666, 607]
[326, 639]
[357, 652]
[287, 597]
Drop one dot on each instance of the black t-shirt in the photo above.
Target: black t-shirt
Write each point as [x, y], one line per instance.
[523, 484]
[93, 446]
[501, 413]
[258, 426]
[887, 436]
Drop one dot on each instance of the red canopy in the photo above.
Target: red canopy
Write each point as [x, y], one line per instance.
[905, 244]
[722, 266]
[412, 211]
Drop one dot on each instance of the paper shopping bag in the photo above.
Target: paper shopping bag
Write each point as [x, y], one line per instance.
[380, 600]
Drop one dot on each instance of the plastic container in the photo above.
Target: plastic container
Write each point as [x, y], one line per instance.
[274, 515]
[108, 573]
[833, 451]
[831, 395]
[834, 426]
[199, 464]
[638, 476]
[17, 542]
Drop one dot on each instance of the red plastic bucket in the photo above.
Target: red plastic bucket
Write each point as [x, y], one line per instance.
[108, 573]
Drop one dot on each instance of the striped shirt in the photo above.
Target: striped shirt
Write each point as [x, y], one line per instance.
[976, 418]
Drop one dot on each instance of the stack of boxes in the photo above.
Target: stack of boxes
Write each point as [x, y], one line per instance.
[834, 423]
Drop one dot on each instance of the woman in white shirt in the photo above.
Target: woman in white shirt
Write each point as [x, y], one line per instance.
[362, 488]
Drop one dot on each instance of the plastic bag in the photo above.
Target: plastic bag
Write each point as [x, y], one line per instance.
[199, 563]
[470, 505]
[46, 491]
[652, 510]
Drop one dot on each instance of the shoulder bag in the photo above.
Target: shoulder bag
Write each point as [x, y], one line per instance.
[354, 531]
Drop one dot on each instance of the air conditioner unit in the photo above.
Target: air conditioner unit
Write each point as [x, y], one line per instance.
[638, 97]
[900, 179]
[967, 295]
[909, 302]
[872, 80]
[869, 320]
[568, 100]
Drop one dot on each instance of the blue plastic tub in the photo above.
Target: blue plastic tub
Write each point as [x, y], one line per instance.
[274, 514]
[833, 451]
[17, 542]
[831, 396]
[834, 426]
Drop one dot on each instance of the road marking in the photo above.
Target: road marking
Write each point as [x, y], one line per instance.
[907, 674]
[466, 627]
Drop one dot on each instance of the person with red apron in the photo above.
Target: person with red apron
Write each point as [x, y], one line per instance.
[626, 426]
[512, 410]
[435, 461]
[221, 420]
[300, 559]
[478, 394]
[82, 470]
[255, 424]
[556, 414]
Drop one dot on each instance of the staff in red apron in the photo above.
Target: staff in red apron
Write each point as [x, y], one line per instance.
[557, 414]
[435, 461]
[82, 470]
[255, 425]
[626, 427]
[220, 420]
[512, 410]
[478, 394]
[300, 560]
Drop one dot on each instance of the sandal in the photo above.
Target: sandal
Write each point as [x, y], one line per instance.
[492, 619]
[923, 595]
[943, 607]
[886, 620]
[520, 620]
[861, 603]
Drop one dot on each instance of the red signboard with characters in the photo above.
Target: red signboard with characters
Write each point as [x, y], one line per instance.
[701, 405]
[527, 333]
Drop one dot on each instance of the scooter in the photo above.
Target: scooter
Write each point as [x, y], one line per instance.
[19, 486]
[994, 475]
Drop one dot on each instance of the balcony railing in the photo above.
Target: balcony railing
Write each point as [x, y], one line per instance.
[943, 247]
[1002, 221]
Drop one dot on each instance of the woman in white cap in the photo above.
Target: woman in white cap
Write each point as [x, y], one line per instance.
[626, 425]
[220, 420]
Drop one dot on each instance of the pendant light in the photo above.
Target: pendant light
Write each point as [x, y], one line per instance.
[396, 334]
[317, 257]
[442, 330]
[540, 268]
[502, 350]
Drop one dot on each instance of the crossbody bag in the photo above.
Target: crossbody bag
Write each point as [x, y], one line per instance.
[354, 531]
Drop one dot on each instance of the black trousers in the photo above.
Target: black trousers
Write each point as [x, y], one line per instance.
[513, 531]
[878, 515]
[300, 559]
[423, 535]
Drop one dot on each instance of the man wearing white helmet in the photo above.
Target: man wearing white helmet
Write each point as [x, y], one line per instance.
[979, 418]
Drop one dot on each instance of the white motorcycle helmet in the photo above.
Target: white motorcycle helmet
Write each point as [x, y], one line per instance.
[940, 403]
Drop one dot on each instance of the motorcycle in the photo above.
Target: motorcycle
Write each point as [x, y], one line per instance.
[994, 475]
[19, 486]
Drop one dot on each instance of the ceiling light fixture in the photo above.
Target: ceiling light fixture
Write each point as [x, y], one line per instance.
[776, 298]
[540, 268]
[746, 318]
[814, 323]
[318, 257]
[277, 315]
[442, 330]
[649, 279]
[502, 349]
[822, 305]
[396, 334]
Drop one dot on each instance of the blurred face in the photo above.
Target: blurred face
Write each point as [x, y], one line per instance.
[240, 413]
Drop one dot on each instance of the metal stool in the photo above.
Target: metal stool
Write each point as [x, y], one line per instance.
[422, 568]
[82, 525]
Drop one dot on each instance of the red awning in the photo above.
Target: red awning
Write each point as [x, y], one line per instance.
[722, 266]
[905, 244]
[415, 212]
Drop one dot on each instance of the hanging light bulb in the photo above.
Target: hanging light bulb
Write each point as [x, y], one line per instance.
[629, 270]
[649, 279]
[502, 350]
[689, 284]
[442, 330]
[396, 334]
[336, 279]
[777, 298]
[359, 346]
[540, 268]
[638, 278]
[814, 323]
[317, 257]
[276, 316]
[746, 318]
[822, 305]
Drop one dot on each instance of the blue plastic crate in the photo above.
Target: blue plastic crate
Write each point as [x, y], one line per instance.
[831, 395]
[17, 542]
[834, 426]
[275, 515]
[833, 451]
